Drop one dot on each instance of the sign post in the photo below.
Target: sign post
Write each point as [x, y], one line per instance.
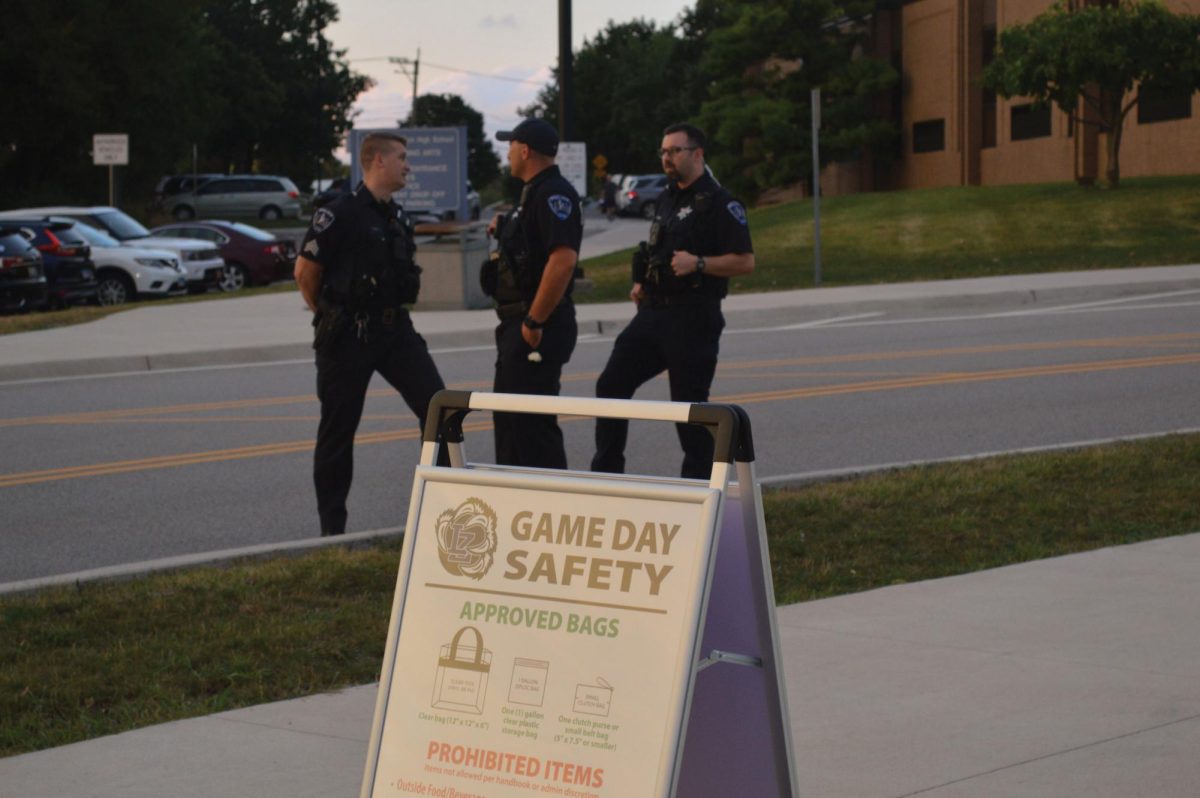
[591, 635]
[110, 149]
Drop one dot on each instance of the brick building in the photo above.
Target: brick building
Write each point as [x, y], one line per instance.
[953, 133]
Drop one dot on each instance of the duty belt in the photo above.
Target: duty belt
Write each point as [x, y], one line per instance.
[675, 300]
[512, 310]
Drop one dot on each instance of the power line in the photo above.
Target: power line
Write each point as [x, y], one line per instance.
[453, 69]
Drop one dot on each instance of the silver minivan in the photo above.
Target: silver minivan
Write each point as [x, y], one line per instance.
[263, 196]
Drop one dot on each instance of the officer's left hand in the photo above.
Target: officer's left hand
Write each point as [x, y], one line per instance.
[532, 337]
[683, 262]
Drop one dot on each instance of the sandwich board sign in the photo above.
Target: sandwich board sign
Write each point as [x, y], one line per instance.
[551, 633]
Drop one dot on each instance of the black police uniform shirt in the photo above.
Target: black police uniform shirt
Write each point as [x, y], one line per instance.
[357, 229]
[549, 217]
[703, 219]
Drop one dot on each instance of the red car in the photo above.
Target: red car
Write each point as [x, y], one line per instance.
[252, 256]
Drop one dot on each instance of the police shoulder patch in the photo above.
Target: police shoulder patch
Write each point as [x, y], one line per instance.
[561, 206]
[737, 211]
[322, 219]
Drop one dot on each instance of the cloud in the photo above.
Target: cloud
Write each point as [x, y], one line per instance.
[506, 21]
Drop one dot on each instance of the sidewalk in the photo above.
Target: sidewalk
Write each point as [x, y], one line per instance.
[276, 327]
[1074, 676]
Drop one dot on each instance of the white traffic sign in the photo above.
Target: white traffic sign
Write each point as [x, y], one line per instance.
[110, 149]
[572, 162]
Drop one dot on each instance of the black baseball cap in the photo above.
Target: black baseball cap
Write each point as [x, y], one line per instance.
[537, 133]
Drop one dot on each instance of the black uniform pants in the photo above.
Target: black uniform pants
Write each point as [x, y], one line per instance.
[523, 439]
[345, 366]
[682, 339]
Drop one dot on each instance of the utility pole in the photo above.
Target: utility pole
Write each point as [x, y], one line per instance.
[566, 74]
[816, 183]
[403, 64]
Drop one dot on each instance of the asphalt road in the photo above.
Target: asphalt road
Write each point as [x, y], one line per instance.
[126, 468]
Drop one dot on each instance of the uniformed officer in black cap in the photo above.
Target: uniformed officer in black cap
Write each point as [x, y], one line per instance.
[698, 240]
[530, 278]
[356, 272]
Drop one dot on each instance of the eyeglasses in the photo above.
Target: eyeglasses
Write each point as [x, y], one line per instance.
[671, 152]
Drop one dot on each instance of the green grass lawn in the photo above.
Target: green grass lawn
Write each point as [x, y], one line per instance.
[944, 233]
[96, 659]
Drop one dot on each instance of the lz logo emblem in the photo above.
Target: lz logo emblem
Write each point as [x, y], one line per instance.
[466, 539]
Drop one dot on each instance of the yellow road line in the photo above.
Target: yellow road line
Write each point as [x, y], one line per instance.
[906, 383]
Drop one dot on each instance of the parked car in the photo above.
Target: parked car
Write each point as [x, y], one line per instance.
[22, 281]
[127, 273]
[336, 189]
[66, 259]
[640, 195]
[473, 207]
[264, 196]
[200, 259]
[252, 256]
[179, 184]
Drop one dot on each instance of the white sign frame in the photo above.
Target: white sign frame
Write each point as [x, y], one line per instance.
[735, 628]
[666, 730]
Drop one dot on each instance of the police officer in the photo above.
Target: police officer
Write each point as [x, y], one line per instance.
[530, 278]
[698, 240]
[356, 272]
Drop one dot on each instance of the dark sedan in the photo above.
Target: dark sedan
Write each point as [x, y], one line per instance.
[252, 256]
[22, 282]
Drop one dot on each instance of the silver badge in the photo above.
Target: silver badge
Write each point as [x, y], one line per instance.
[683, 212]
[321, 220]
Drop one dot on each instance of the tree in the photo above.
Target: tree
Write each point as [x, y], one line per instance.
[630, 83]
[286, 93]
[75, 69]
[760, 61]
[450, 110]
[1093, 58]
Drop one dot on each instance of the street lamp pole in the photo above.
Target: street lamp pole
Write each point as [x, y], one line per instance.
[816, 183]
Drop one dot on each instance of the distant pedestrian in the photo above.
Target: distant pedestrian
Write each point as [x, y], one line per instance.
[356, 273]
[610, 198]
[698, 240]
[531, 282]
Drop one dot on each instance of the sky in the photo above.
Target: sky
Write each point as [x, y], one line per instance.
[495, 55]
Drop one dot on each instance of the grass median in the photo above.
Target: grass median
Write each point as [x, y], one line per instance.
[947, 233]
[101, 658]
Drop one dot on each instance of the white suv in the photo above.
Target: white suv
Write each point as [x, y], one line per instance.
[201, 260]
[125, 273]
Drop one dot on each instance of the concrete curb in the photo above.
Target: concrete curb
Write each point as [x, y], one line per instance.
[742, 311]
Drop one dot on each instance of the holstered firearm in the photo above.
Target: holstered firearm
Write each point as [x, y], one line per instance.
[641, 262]
[328, 323]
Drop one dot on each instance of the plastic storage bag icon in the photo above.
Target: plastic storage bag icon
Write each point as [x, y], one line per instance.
[462, 674]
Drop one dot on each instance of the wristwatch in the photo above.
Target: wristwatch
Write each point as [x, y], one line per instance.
[700, 265]
[533, 323]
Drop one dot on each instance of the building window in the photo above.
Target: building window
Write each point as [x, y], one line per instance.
[1159, 106]
[1029, 122]
[929, 136]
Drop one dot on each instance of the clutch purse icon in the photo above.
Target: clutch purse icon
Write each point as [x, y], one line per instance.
[594, 699]
[462, 674]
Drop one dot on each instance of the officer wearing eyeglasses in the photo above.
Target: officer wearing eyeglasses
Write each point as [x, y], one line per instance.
[698, 240]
